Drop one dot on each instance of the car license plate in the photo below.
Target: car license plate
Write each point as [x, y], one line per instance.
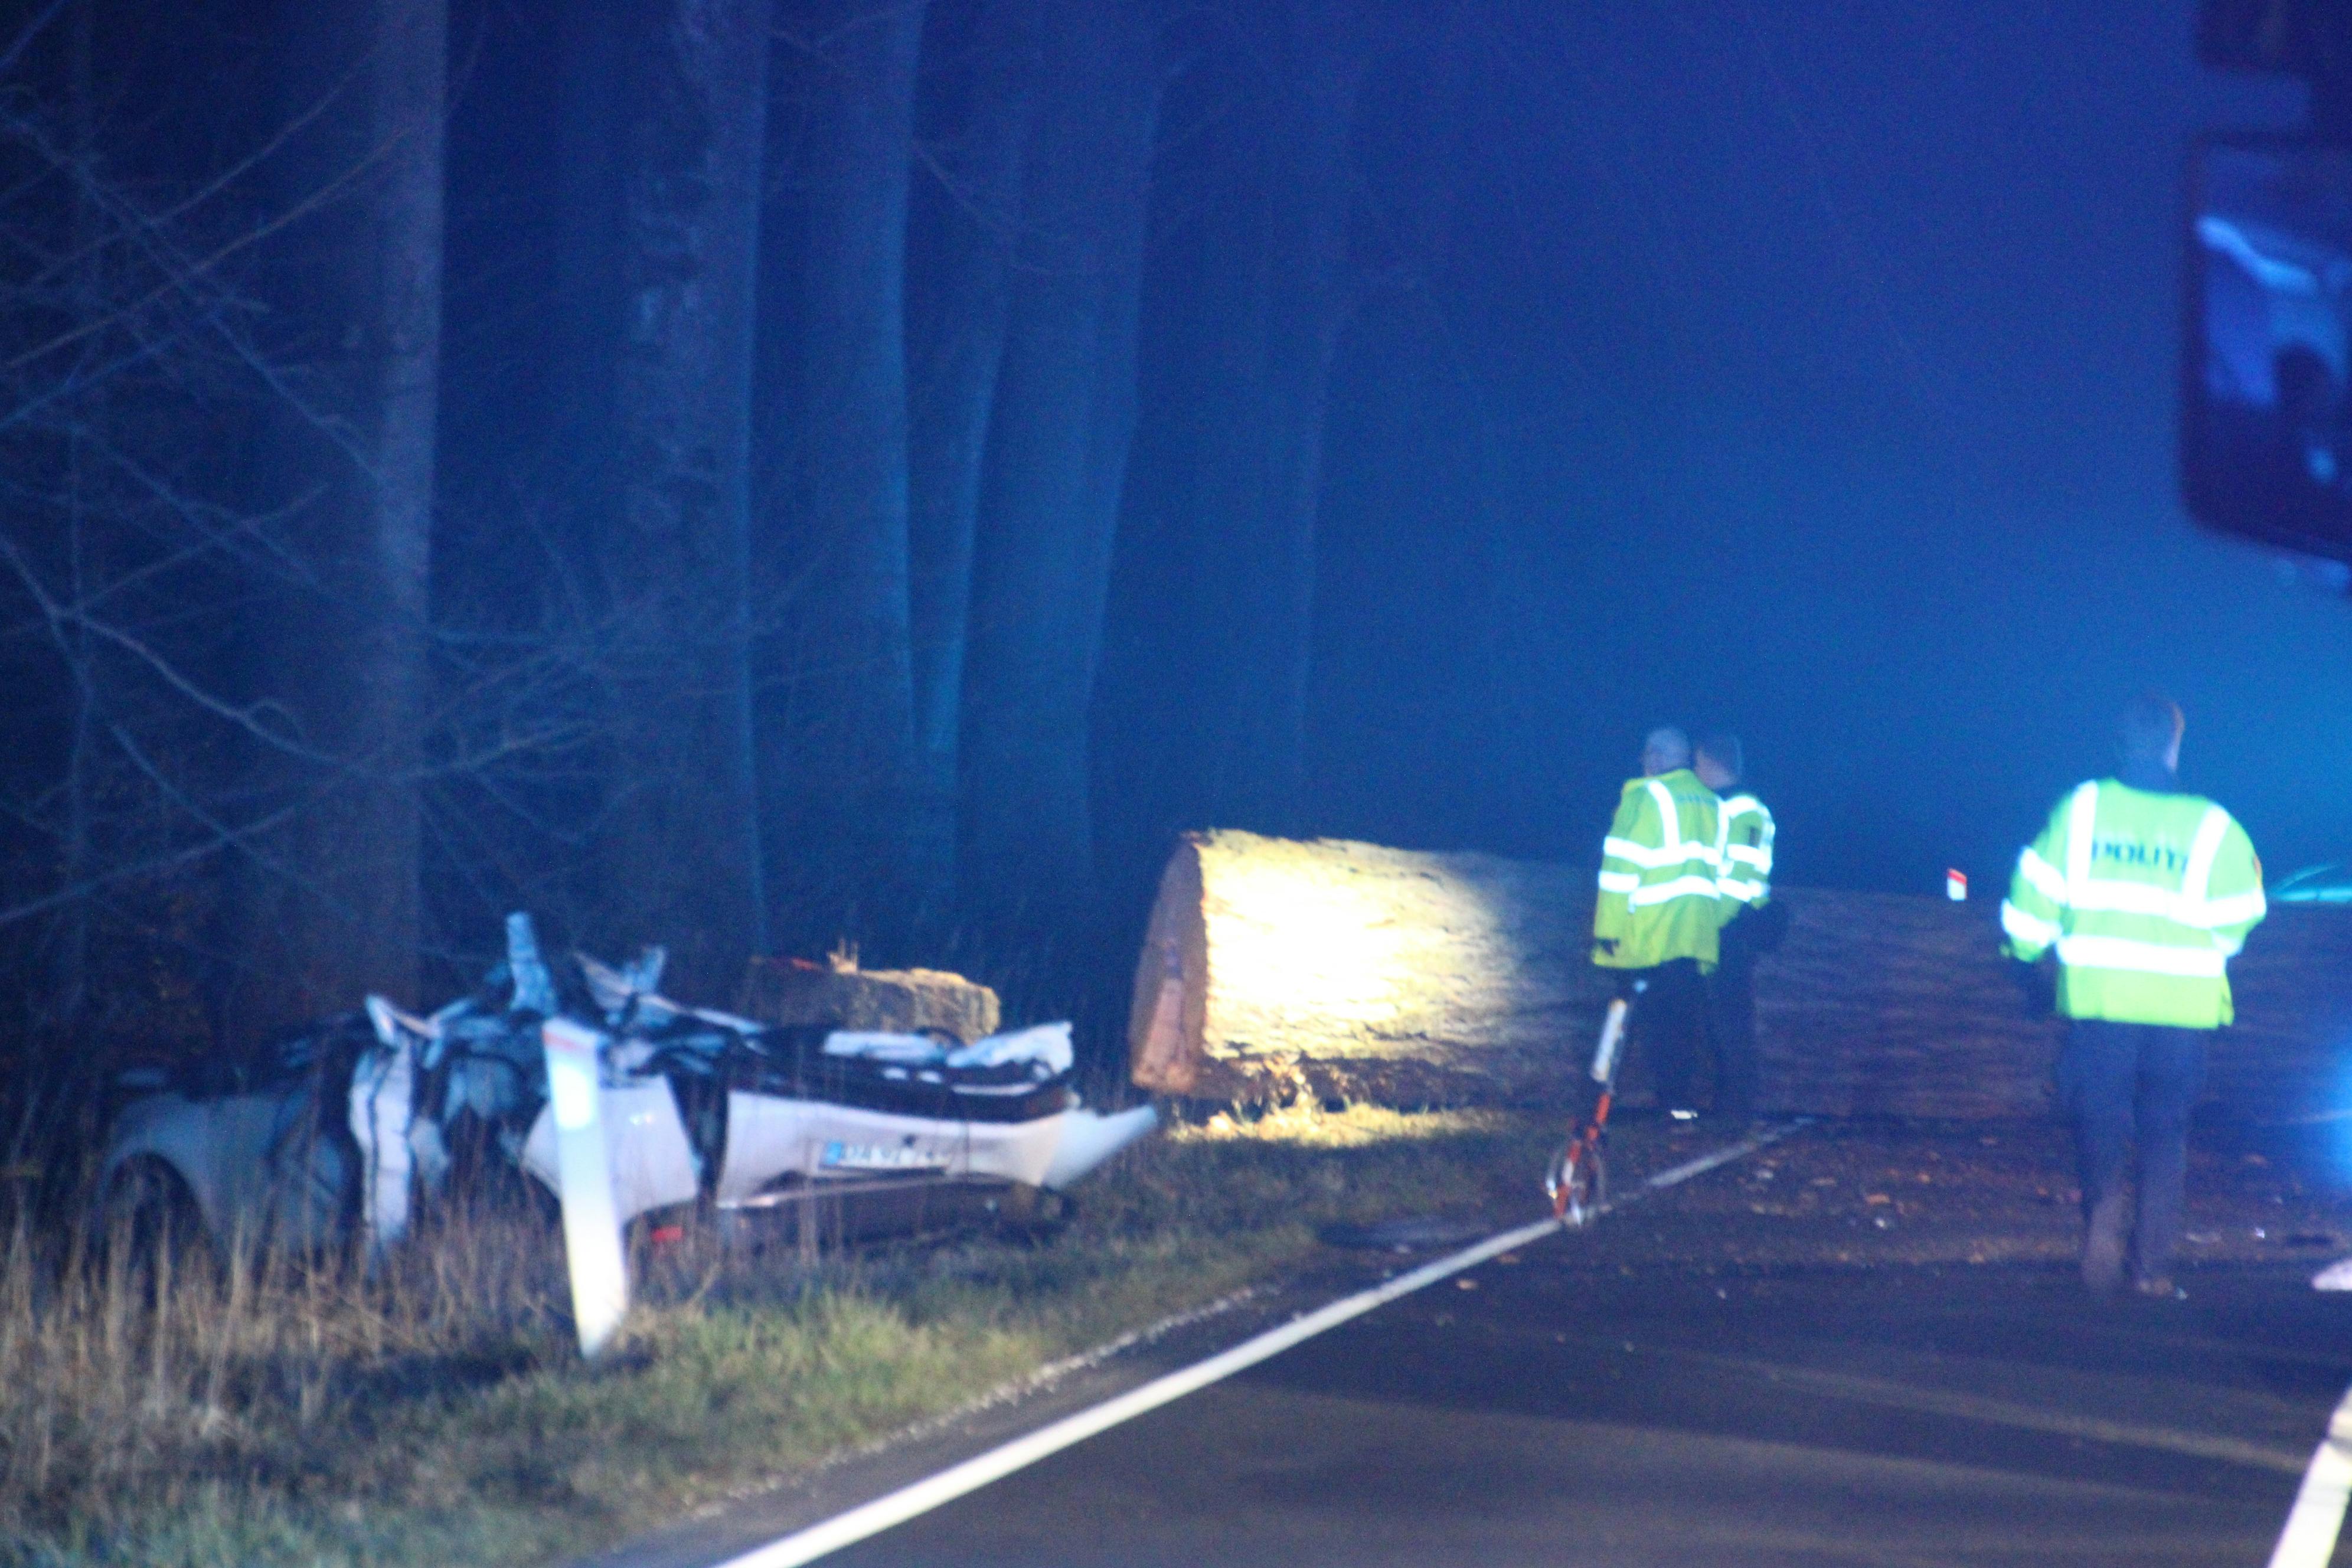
[840, 1155]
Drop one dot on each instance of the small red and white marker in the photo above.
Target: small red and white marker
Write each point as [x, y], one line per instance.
[1956, 886]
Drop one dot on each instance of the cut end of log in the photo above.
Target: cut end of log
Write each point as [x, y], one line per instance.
[1165, 1016]
[1274, 968]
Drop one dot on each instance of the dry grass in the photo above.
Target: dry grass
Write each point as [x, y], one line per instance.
[144, 1386]
[300, 1410]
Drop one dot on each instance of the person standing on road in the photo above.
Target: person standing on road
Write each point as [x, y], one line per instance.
[1752, 924]
[2145, 892]
[1656, 918]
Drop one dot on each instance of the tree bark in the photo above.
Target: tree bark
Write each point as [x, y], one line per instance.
[1313, 289]
[682, 837]
[844, 773]
[1216, 562]
[596, 100]
[964, 224]
[1064, 417]
[333, 906]
[70, 969]
[1262, 481]
[1275, 969]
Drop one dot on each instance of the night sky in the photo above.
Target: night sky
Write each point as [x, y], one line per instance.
[1809, 371]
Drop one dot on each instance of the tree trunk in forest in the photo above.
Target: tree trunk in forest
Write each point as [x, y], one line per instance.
[333, 905]
[70, 966]
[1217, 558]
[682, 843]
[1064, 420]
[842, 774]
[963, 230]
[595, 103]
[1263, 468]
[1331, 49]
[1275, 969]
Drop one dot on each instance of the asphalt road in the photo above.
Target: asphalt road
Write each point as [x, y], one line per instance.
[1863, 1345]
[1569, 1408]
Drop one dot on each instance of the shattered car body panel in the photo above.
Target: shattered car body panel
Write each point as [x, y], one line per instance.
[252, 1163]
[359, 1117]
[769, 1137]
[258, 1145]
[809, 1107]
[653, 1165]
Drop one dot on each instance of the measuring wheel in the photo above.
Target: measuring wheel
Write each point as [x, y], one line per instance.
[1577, 1182]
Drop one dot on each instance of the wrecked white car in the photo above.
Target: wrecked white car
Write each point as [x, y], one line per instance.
[339, 1132]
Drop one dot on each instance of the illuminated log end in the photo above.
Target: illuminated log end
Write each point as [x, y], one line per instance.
[1275, 969]
[1166, 1015]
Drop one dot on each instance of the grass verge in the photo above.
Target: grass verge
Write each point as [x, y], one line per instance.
[283, 1411]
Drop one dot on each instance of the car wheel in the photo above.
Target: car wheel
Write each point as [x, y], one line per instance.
[149, 1219]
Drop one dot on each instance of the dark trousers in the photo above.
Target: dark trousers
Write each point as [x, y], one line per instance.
[2127, 1083]
[1669, 1017]
[1731, 1019]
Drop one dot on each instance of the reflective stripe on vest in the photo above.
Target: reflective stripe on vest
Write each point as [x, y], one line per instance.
[1745, 870]
[1669, 821]
[2142, 957]
[1654, 859]
[1680, 888]
[2028, 928]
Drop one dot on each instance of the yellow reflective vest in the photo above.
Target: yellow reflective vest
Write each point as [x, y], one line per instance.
[1745, 842]
[2145, 895]
[1658, 869]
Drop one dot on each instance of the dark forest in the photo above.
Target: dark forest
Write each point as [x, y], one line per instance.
[753, 474]
[663, 466]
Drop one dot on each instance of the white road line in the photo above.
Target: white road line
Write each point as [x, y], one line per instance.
[1724, 1156]
[2311, 1525]
[921, 1497]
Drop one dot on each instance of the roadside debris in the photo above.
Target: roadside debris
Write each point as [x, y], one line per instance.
[339, 1129]
[1409, 1233]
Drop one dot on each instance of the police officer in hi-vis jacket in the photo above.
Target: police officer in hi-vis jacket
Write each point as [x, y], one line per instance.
[2145, 892]
[1656, 916]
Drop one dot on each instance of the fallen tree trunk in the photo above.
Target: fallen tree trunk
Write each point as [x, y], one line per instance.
[1274, 968]
[1894, 1005]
